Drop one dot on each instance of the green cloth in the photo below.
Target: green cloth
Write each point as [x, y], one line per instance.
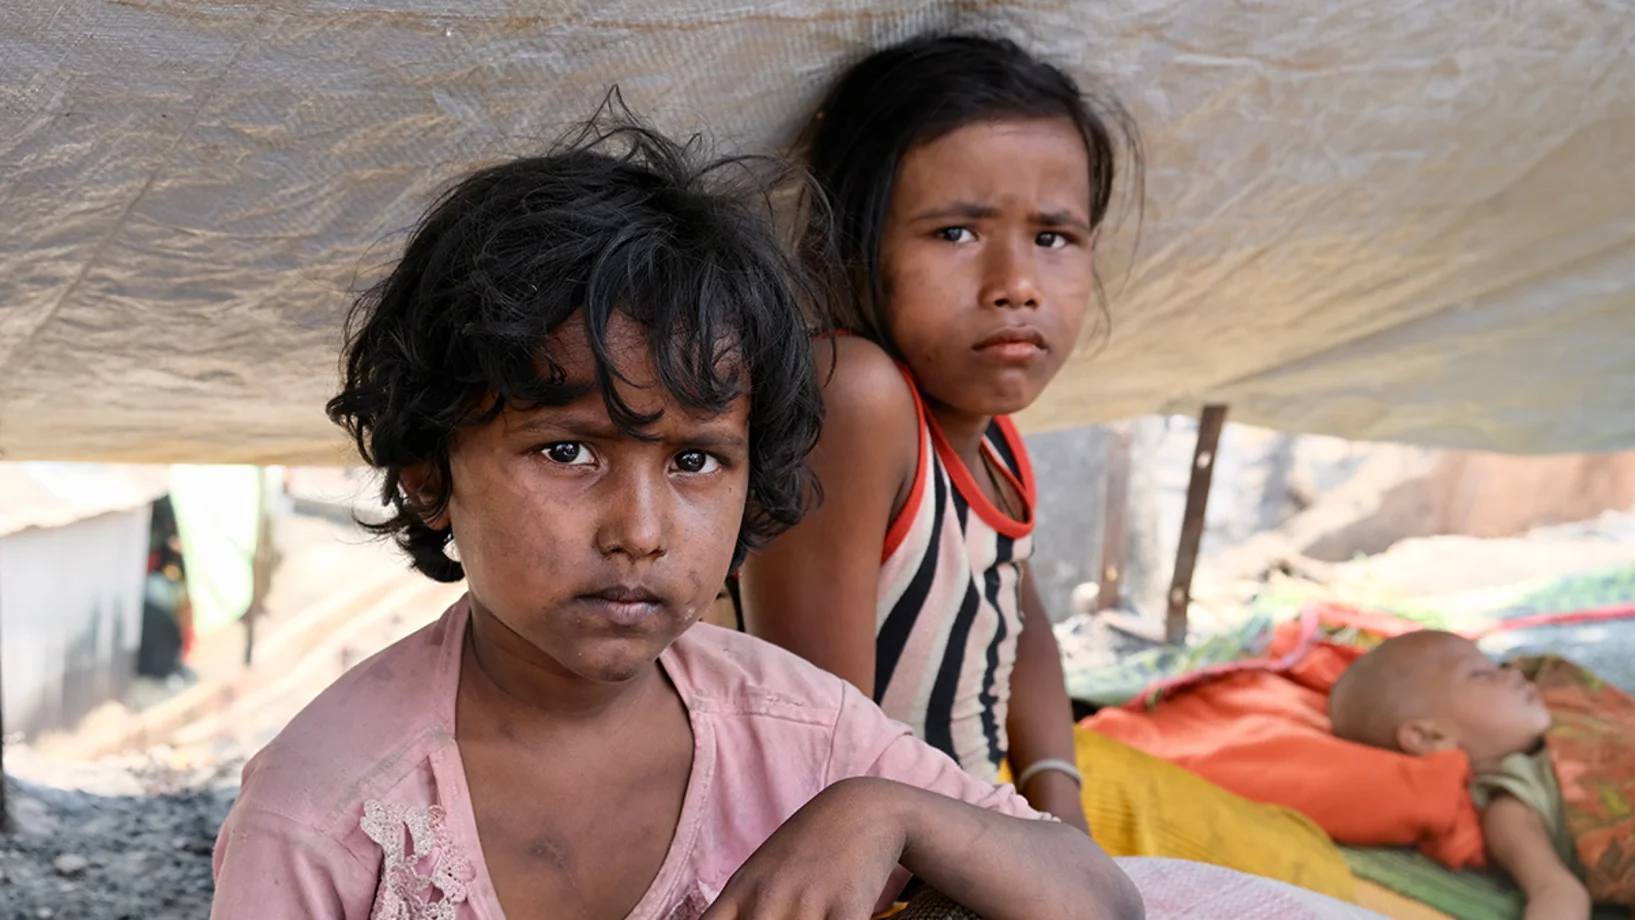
[1117, 684]
[1530, 778]
[1467, 895]
[217, 514]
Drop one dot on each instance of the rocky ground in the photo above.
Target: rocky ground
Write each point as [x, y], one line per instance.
[128, 838]
[96, 837]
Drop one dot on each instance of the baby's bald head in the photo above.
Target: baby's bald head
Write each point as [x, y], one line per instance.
[1389, 687]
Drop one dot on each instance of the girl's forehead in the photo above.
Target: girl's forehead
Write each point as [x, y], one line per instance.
[665, 418]
[628, 345]
[1032, 158]
[570, 349]
[1012, 138]
[628, 380]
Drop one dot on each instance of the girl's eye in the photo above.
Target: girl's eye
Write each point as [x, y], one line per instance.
[1050, 239]
[955, 234]
[696, 461]
[567, 453]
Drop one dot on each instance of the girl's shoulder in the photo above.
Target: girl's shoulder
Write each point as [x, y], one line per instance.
[873, 422]
[365, 733]
[863, 383]
[324, 809]
[736, 674]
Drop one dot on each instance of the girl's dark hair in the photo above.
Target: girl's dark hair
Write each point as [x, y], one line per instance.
[617, 219]
[915, 92]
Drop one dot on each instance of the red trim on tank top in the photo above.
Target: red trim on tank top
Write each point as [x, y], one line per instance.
[966, 484]
[1024, 463]
[904, 519]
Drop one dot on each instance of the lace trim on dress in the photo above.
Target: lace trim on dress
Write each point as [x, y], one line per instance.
[425, 872]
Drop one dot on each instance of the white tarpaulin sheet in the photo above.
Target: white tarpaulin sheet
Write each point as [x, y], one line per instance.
[1383, 219]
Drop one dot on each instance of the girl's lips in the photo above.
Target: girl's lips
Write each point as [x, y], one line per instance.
[1011, 352]
[623, 605]
[1012, 334]
[1012, 344]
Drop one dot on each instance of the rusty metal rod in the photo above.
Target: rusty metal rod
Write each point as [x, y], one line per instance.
[1192, 522]
[1114, 505]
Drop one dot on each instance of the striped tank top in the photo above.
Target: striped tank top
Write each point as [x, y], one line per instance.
[949, 610]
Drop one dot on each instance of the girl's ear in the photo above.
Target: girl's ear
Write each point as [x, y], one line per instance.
[427, 493]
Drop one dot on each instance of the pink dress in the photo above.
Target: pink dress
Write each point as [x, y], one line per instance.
[360, 808]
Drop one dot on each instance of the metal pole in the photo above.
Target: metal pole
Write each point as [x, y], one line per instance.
[1114, 505]
[1192, 522]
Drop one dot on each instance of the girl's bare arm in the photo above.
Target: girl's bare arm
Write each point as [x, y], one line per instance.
[813, 591]
[833, 856]
[1040, 721]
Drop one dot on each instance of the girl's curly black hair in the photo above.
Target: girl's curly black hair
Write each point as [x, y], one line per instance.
[617, 218]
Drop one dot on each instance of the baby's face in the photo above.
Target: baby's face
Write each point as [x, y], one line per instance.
[589, 551]
[1492, 711]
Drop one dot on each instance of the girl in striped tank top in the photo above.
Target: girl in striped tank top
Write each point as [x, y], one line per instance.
[968, 181]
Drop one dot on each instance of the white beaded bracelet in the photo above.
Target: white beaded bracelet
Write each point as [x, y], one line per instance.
[1049, 763]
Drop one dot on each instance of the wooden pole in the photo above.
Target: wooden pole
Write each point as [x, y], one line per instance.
[262, 562]
[1192, 522]
[1114, 505]
[5, 813]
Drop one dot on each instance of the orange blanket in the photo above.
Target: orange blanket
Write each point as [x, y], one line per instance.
[1265, 736]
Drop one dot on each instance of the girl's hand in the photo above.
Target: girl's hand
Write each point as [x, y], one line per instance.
[831, 859]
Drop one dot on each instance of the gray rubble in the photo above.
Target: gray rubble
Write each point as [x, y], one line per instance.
[132, 843]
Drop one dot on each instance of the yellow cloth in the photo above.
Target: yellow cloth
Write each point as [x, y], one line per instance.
[1139, 805]
[1532, 779]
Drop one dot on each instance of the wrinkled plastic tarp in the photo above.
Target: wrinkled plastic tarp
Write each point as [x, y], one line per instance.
[1381, 219]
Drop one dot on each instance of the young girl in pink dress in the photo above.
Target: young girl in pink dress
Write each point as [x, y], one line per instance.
[589, 387]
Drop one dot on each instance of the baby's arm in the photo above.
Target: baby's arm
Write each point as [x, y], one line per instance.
[1520, 842]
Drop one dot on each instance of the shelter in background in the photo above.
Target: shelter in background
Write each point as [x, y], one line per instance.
[91, 593]
[74, 547]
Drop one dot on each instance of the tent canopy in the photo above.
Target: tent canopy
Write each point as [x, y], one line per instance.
[1379, 219]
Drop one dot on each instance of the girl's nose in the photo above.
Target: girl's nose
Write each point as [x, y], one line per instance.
[635, 522]
[1012, 278]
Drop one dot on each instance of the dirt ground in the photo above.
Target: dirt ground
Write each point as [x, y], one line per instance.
[127, 840]
[130, 835]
